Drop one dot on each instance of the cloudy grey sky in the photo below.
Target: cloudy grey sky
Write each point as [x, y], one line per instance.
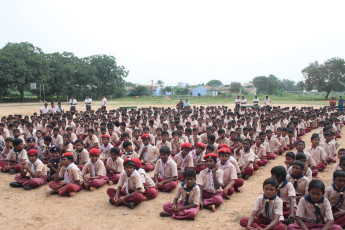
[184, 41]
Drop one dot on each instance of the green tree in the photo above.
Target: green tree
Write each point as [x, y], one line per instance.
[160, 82]
[6, 77]
[214, 83]
[27, 65]
[140, 90]
[168, 89]
[325, 77]
[61, 68]
[288, 85]
[181, 91]
[268, 85]
[110, 76]
[235, 87]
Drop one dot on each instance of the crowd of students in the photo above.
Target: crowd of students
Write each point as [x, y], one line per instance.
[85, 150]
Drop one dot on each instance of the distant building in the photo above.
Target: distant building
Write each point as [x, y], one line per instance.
[249, 87]
[182, 85]
[207, 90]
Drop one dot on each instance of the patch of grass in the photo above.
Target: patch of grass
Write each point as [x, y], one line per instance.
[238, 218]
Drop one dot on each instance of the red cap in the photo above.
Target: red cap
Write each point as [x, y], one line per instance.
[94, 151]
[145, 136]
[137, 162]
[129, 159]
[32, 152]
[201, 145]
[105, 136]
[210, 155]
[68, 154]
[224, 150]
[186, 146]
[223, 146]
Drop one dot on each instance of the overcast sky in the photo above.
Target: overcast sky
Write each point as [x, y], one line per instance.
[184, 41]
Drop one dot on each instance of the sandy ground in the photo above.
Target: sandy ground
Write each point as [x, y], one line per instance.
[91, 210]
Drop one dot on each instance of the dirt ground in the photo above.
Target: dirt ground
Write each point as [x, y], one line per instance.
[91, 210]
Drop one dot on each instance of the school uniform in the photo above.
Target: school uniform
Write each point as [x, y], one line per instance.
[149, 157]
[161, 144]
[15, 158]
[229, 174]
[57, 140]
[55, 164]
[131, 154]
[67, 148]
[245, 158]
[307, 212]
[118, 166]
[198, 159]
[151, 190]
[105, 151]
[266, 210]
[70, 174]
[37, 167]
[91, 142]
[286, 190]
[209, 194]
[185, 196]
[319, 156]
[308, 173]
[336, 199]
[46, 152]
[95, 169]
[166, 171]
[183, 162]
[260, 152]
[330, 151]
[131, 183]
[173, 146]
[300, 184]
[80, 158]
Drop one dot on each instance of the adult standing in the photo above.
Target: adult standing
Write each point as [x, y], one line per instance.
[186, 104]
[52, 108]
[243, 104]
[256, 101]
[104, 103]
[88, 102]
[73, 103]
[59, 108]
[179, 105]
[45, 109]
[341, 104]
[267, 102]
[237, 103]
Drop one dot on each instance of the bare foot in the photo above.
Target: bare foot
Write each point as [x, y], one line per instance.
[51, 192]
[92, 189]
[110, 182]
[226, 197]
[164, 214]
[72, 193]
[145, 198]
[213, 208]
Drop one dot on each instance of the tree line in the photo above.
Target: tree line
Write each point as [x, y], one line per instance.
[62, 74]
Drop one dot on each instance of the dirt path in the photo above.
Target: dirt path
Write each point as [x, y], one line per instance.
[90, 210]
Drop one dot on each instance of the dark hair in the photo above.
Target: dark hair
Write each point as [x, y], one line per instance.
[342, 159]
[279, 171]
[301, 156]
[338, 173]
[115, 150]
[211, 147]
[129, 163]
[299, 163]
[248, 140]
[272, 182]
[290, 154]
[79, 141]
[17, 141]
[315, 135]
[126, 144]
[47, 138]
[316, 184]
[164, 149]
[165, 133]
[9, 139]
[70, 158]
[91, 130]
[211, 137]
[300, 141]
[189, 173]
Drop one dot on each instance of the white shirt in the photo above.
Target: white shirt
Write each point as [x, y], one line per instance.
[267, 101]
[73, 103]
[237, 101]
[104, 101]
[244, 102]
[256, 101]
[45, 110]
[88, 101]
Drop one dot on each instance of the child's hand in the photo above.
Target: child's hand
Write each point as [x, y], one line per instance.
[174, 207]
[116, 198]
[49, 165]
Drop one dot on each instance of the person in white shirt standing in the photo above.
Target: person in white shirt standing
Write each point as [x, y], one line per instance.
[243, 104]
[237, 103]
[104, 103]
[45, 109]
[256, 101]
[73, 102]
[88, 102]
[267, 102]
